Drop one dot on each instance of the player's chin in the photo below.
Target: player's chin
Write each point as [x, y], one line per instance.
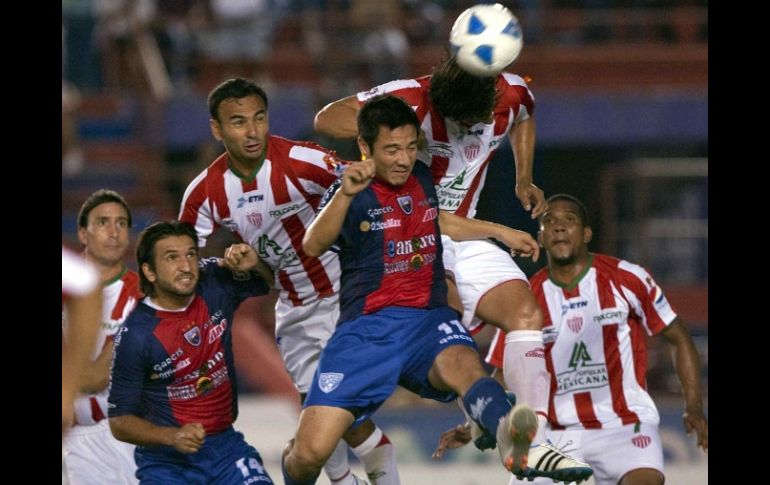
[398, 178]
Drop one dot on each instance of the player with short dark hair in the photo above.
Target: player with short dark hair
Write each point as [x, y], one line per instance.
[395, 326]
[91, 454]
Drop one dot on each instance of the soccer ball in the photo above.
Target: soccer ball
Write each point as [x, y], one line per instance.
[486, 39]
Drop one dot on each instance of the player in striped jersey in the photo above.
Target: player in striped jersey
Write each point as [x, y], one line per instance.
[465, 119]
[82, 307]
[92, 455]
[265, 189]
[598, 313]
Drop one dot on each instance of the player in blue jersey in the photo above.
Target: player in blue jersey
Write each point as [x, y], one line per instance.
[173, 391]
[395, 327]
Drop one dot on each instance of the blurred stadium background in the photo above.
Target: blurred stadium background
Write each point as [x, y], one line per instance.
[621, 92]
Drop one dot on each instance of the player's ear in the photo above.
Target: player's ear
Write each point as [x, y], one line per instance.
[216, 129]
[588, 234]
[148, 272]
[364, 147]
[82, 232]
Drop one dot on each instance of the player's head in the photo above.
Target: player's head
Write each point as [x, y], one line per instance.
[460, 96]
[564, 230]
[389, 133]
[239, 119]
[167, 258]
[103, 223]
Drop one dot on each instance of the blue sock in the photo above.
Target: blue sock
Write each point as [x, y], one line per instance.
[288, 480]
[486, 402]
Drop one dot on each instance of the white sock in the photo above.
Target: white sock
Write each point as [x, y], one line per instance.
[526, 375]
[378, 455]
[337, 467]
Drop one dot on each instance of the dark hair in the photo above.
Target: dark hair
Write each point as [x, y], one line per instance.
[145, 248]
[460, 96]
[384, 110]
[236, 88]
[582, 211]
[98, 198]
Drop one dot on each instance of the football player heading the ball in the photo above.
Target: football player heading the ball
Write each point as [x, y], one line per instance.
[465, 118]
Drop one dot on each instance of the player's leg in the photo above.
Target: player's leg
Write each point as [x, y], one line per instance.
[443, 362]
[494, 290]
[375, 451]
[302, 333]
[320, 429]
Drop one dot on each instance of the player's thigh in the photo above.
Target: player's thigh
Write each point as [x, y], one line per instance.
[302, 333]
[456, 368]
[510, 306]
[479, 268]
[615, 452]
[440, 355]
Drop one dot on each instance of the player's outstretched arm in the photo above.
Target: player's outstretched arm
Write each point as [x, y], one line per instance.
[133, 429]
[522, 138]
[327, 225]
[464, 229]
[687, 364]
[338, 118]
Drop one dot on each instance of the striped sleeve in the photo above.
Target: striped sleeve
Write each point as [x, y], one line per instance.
[315, 167]
[196, 209]
[645, 297]
[518, 94]
[404, 88]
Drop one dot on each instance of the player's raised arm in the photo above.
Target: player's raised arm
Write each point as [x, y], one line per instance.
[462, 229]
[338, 118]
[327, 225]
[522, 138]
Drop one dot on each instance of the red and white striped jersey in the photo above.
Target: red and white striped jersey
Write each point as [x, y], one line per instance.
[271, 212]
[595, 343]
[458, 156]
[119, 297]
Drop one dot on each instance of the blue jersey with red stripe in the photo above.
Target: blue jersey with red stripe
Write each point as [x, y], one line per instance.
[390, 247]
[176, 367]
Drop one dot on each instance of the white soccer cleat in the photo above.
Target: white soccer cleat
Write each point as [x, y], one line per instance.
[514, 436]
[545, 460]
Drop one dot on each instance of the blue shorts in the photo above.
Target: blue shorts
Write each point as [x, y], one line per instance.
[367, 357]
[224, 459]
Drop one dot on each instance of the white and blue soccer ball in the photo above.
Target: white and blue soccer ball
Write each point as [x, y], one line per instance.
[486, 39]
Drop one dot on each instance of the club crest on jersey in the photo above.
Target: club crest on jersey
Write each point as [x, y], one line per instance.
[329, 381]
[193, 336]
[575, 323]
[255, 219]
[405, 202]
[472, 151]
[641, 441]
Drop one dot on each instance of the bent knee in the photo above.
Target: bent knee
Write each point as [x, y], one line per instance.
[310, 455]
[642, 476]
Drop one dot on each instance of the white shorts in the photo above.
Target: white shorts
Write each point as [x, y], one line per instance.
[477, 267]
[302, 333]
[92, 456]
[611, 452]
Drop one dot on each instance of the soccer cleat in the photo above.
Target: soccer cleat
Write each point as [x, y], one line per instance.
[514, 436]
[545, 460]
